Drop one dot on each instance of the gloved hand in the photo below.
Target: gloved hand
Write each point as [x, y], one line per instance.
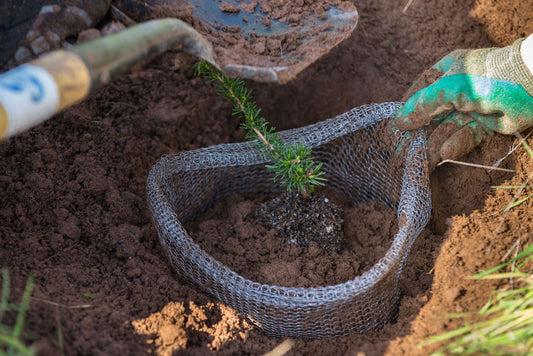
[467, 95]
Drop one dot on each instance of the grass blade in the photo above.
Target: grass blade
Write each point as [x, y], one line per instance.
[508, 325]
[518, 202]
[5, 293]
[527, 252]
[24, 304]
[11, 342]
[16, 344]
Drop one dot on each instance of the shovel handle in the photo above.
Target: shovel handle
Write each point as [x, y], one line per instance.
[32, 93]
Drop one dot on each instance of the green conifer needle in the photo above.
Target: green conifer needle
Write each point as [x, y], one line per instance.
[291, 164]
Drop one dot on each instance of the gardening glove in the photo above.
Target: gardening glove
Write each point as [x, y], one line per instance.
[468, 95]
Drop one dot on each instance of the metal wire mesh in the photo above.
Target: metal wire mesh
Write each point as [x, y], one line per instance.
[358, 163]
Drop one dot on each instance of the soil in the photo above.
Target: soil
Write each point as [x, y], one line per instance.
[73, 208]
[301, 221]
[282, 35]
[234, 232]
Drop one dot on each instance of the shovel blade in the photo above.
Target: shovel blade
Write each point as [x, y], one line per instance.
[264, 47]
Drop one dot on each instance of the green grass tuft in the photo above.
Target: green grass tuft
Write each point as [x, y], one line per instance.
[508, 327]
[11, 337]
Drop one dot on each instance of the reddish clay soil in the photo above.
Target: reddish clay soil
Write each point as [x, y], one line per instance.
[359, 236]
[73, 208]
[312, 32]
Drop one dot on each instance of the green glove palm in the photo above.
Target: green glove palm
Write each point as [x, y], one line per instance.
[468, 95]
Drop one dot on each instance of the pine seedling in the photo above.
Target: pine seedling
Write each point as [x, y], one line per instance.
[291, 164]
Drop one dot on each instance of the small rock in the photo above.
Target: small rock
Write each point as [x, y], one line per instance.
[451, 294]
[133, 272]
[40, 45]
[112, 27]
[22, 55]
[228, 7]
[171, 334]
[88, 35]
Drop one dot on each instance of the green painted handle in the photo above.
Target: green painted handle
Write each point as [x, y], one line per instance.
[110, 56]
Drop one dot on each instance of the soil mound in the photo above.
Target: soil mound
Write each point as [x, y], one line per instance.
[73, 202]
[232, 233]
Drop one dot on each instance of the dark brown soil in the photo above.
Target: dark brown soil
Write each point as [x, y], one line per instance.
[73, 208]
[301, 221]
[233, 234]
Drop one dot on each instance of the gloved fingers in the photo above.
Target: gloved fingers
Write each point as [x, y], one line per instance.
[455, 137]
[444, 96]
[515, 118]
[427, 78]
[462, 141]
[433, 74]
[439, 136]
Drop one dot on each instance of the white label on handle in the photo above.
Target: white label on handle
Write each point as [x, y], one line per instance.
[29, 96]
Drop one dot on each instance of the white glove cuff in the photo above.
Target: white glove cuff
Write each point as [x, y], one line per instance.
[526, 51]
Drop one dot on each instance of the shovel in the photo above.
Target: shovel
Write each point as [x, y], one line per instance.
[34, 92]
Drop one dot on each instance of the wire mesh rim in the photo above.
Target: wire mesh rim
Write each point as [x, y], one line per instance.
[273, 294]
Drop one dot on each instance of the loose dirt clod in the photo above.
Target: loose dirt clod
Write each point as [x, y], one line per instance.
[262, 241]
[301, 221]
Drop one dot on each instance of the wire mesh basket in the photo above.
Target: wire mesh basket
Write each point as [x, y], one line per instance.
[359, 161]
